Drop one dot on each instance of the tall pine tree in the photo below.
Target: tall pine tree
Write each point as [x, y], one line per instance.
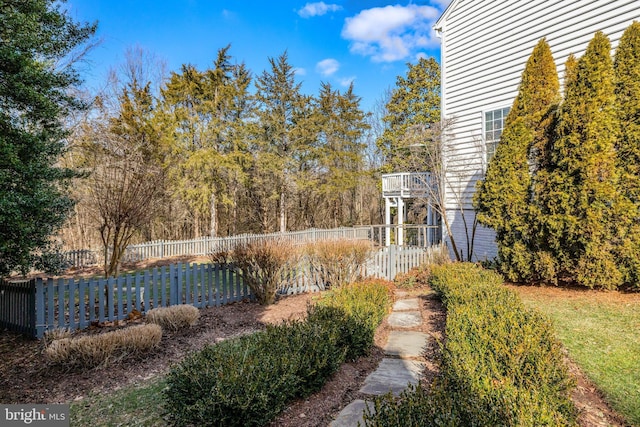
[284, 114]
[415, 101]
[503, 199]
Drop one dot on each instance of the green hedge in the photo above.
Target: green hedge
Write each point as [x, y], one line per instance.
[501, 364]
[248, 381]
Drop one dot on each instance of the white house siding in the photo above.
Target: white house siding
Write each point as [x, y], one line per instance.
[485, 45]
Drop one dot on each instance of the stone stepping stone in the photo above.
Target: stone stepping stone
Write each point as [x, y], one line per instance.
[400, 294]
[406, 344]
[392, 375]
[352, 414]
[406, 304]
[405, 319]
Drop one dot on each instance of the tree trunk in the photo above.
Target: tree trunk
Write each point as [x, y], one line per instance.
[214, 216]
[283, 212]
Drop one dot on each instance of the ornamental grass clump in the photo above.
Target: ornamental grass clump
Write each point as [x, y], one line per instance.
[90, 351]
[261, 265]
[501, 363]
[175, 317]
[338, 262]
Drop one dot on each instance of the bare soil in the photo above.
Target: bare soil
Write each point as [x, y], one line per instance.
[27, 377]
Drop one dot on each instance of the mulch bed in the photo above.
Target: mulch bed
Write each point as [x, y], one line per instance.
[27, 377]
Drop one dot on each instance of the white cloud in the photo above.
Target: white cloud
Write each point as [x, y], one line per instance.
[227, 14]
[327, 67]
[300, 71]
[318, 9]
[346, 81]
[391, 33]
[442, 3]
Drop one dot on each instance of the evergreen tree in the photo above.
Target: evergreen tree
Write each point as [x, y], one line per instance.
[584, 206]
[35, 36]
[415, 101]
[627, 72]
[503, 200]
[340, 154]
[201, 112]
[285, 133]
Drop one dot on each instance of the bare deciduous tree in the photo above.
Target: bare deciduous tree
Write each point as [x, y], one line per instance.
[426, 150]
[122, 189]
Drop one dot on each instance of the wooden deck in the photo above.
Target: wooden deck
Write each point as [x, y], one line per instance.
[406, 185]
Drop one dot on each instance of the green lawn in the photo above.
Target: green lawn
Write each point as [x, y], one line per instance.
[139, 405]
[601, 331]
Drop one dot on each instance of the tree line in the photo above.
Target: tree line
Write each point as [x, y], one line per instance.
[218, 151]
[563, 189]
[207, 157]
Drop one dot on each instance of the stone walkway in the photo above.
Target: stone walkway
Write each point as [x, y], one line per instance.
[403, 364]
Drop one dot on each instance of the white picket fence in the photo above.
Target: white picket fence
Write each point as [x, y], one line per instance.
[206, 245]
[38, 305]
[388, 262]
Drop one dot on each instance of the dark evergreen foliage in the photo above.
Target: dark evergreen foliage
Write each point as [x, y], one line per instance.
[503, 199]
[37, 37]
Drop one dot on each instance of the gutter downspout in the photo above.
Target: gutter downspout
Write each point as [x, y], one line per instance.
[440, 33]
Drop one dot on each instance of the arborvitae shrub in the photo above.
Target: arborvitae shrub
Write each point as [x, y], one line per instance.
[627, 73]
[503, 199]
[590, 213]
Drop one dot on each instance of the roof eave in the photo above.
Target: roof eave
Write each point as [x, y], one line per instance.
[440, 22]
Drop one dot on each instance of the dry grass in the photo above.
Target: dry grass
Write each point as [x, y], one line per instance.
[104, 349]
[174, 317]
[261, 265]
[55, 334]
[339, 262]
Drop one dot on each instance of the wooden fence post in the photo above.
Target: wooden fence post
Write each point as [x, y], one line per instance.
[173, 285]
[39, 307]
[393, 253]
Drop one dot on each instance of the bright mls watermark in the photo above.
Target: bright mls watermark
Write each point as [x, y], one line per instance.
[35, 415]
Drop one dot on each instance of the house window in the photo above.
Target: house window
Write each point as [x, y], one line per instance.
[493, 125]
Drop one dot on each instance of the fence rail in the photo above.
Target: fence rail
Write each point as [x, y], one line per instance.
[39, 305]
[205, 245]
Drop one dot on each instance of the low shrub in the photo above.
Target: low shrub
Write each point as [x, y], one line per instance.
[501, 364]
[247, 381]
[416, 278]
[103, 349]
[174, 317]
[338, 262]
[261, 265]
[369, 300]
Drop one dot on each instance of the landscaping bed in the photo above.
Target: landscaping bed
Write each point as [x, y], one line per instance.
[95, 394]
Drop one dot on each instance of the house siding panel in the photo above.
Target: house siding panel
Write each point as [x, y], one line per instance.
[485, 46]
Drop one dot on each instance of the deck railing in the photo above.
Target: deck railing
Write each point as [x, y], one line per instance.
[407, 184]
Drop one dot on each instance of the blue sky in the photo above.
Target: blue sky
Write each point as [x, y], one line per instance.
[368, 42]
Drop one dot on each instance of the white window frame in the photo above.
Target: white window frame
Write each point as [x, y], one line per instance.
[490, 144]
